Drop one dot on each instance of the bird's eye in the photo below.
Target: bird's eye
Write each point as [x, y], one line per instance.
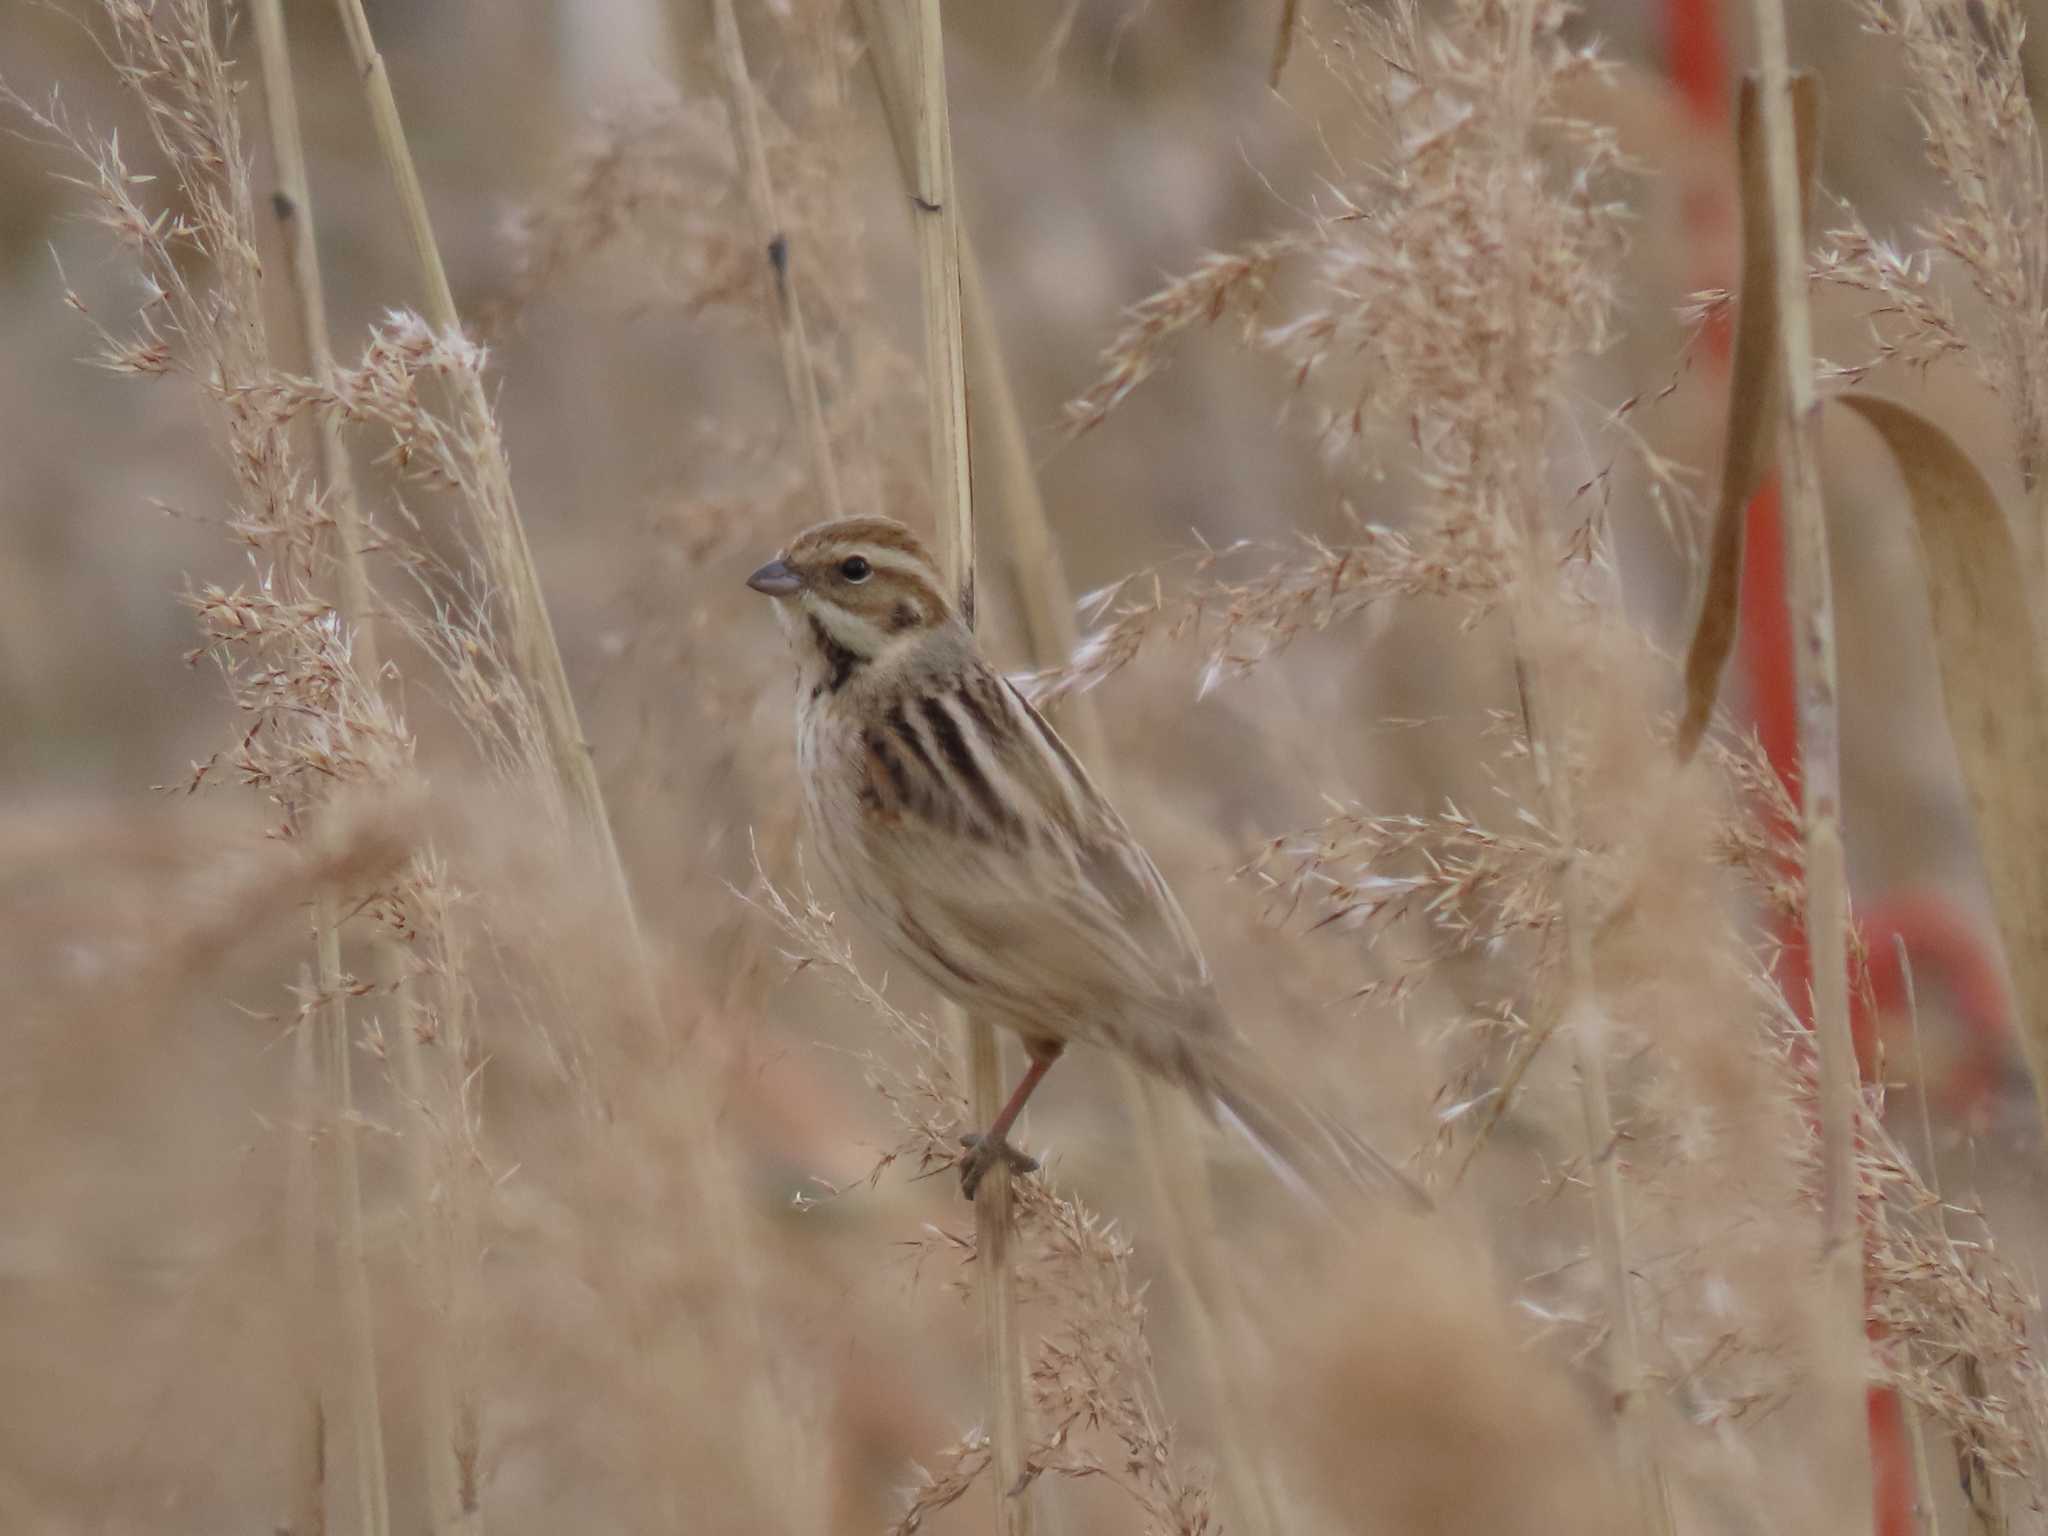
[856, 568]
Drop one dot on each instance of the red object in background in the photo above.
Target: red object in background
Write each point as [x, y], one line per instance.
[1698, 58]
[1764, 649]
[1940, 945]
[1936, 938]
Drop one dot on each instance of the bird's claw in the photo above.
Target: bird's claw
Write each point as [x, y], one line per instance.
[983, 1154]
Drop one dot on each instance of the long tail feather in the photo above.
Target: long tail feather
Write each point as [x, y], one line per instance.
[1310, 1151]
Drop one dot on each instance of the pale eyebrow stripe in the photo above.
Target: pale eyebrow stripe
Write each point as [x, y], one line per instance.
[894, 560]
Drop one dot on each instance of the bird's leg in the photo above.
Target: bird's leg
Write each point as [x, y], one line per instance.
[988, 1148]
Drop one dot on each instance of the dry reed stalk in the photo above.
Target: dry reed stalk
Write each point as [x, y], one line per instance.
[1994, 688]
[533, 641]
[1543, 716]
[318, 728]
[1751, 433]
[1168, 1146]
[772, 1435]
[1536, 617]
[373, 1487]
[799, 373]
[1969, 90]
[1414, 322]
[1842, 1372]
[1283, 41]
[937, 219]
[1966, 64]
[342, 1142]
[291, 202]
[1996, 699]
[1977, 594]
[307, 1469]
[1924, 1505]
[1983, 1495]
[1093, 1384]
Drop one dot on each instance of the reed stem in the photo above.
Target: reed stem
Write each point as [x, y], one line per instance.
[1537, 622]
[1169, 1143]
[532, 631]
[772, 1437]
[935, 214]
[307, 1474]
[373, 1485]
[1168, 1147]
[1811, 599]
[292, 203]
[799, 371]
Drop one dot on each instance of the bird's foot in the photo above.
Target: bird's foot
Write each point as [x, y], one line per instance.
[983, 1154]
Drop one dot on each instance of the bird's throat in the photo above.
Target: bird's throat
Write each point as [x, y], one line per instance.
[839, 662]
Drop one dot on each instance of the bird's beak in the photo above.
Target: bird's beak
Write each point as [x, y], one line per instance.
[775, 579]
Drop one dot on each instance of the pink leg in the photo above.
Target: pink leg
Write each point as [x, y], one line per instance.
[984, 1150]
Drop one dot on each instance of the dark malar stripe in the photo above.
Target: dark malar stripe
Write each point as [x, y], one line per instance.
[946, 731]
[843, 661]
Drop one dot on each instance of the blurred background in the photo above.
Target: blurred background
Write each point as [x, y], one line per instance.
[1101, 147]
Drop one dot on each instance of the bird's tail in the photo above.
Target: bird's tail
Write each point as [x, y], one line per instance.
[1312, 1152]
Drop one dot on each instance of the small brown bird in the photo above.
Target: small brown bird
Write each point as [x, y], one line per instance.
[977, 848]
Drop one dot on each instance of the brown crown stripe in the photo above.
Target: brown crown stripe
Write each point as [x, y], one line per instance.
[875, 532]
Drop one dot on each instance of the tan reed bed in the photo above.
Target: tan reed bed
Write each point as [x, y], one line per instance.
[1618, 1321]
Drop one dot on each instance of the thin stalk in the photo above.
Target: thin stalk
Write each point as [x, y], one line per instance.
[1983, 1491]
[1168, 1144]
[1812, 603]
[1283, 42]
[1536, 617]
[532, 631]
[1168, 1147]
[936, 216]
[2037, 501]
[291, 202]
[772, 1435]
[359, 1344]
[798, 370]
[1983, 1494]
[1916, 1421]
[1585, 1014]
[307, 1477]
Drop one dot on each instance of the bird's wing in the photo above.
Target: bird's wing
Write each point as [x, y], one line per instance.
[1004, 864]
[1113, 865]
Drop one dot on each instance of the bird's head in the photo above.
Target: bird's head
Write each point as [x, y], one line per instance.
[854, 588]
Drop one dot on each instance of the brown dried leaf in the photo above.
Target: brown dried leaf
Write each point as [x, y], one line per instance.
[1753, 386]
[1992, 686]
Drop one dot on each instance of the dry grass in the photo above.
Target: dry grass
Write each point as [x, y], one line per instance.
[405, 1113]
